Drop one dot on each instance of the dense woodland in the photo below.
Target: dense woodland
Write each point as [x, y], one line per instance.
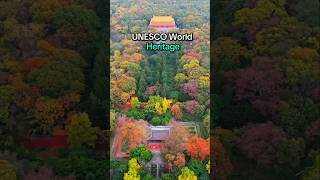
[159, 89]
[265, 109]
[265, 57]
[52, 86]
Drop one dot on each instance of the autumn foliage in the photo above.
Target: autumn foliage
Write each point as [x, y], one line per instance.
[222, 167]
[198, 148]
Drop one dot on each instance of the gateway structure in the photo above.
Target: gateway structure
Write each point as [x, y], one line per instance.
[162, 23]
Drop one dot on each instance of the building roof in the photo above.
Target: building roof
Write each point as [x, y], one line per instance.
[159, 133]
[162, 21]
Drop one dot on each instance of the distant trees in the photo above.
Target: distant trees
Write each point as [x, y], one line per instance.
[222, 167]
[265, 138]
[260, 84]
[77, 28]
[57, 78]
[313, 172]
[7, 170]
[48, 111]
[47, 83]
[81, 132]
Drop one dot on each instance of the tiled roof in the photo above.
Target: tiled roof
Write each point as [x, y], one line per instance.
[159, 134]
[162, 20]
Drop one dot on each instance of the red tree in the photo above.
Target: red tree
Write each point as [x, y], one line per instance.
[191, 88]
[191, 106]
[222, 166]
[197, 148]
[260, 84]
[260, 142]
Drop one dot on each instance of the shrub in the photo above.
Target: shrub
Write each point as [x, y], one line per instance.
[141, 153]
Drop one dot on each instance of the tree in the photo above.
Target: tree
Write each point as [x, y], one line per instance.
[141, 85]
[290, 153]
[227, 138]
[175, 143]
[260, 84]
[187, 174]
[7, 170]
[162, 106]
[119, 168]
[141, 154]
[197, 167]
[227, 49]
[99, 78]
[127, 84]
[304, 54]
[180, 78]
[45, 173]
[57, 78]
[81, 164]
[43, 11]
[260, 142]
[307, 11]
[298, 71]
[175, 161]
[197, 148]
[112, 121]
[292, 121]
[47, 112]
[167, 176]
[135, 103]
[176, 111]
[81, 132]
[77, 27]
[312, 134]
[263, 9]
[191, 106]
[222, 167]
[133, 69]
[313, 172]
[129, 134]
[118, 96]
[133, 173]
[191, 88]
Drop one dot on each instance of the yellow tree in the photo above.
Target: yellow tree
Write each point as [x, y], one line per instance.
[133, 172]
[187, 174]
[162, 107]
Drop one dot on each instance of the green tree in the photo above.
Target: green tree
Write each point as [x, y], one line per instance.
[81, 132]
[307, 11]
[141, 153]
[77, 26]
[141, 85]
[167, 176]
[57, 78]
[197, 167]
[290, 154]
